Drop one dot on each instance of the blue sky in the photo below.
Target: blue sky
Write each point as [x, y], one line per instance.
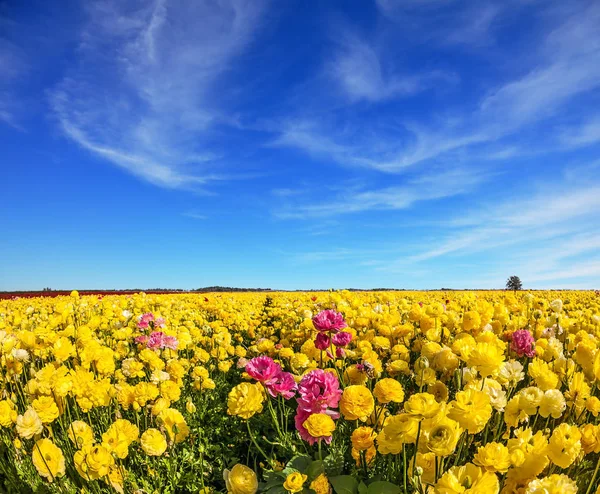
[299, 144]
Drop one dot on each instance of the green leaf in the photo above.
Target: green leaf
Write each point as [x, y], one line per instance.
[344, 484]
[315, 469]
[362, 488]
[300, 463]
[383, 487]
[277, 490]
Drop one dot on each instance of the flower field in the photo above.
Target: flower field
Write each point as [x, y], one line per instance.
[328, 392]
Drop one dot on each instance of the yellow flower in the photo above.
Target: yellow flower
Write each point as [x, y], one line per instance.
[471, 409]
[81, 434]
[552, 404]
[240, 480]
[442, 436]
[48, 459]
[319, 425]
[422, 406]
[564, 445]
[321, 485]
[154, 442]
[590, 438]
[530, 399]
[245, 400]
[46, 408]
[119, 436]
[29, 424]
[93, 462]
[363, 438]
[486, 358]
[494, 457]
[8, 413]
[399, 429]
[467, 479]
[294, 482]
[357, 402]
[388, 390]
[175, 424]
[554, 484]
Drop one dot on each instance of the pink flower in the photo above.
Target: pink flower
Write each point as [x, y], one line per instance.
[322, 341]
[342, 338]
[340, 352]
[523, 343]
[142, 339]
[160, 322]
[263, 369]
[170, 342]
[283, 385]
[145, 319]
[156, 340]
[329, 320]
[319, 390]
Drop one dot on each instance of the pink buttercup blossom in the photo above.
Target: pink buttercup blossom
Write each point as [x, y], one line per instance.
[342, 338]
[340, 352]
[170, 342]
[319, 391]
[142, 339]
[156, 340]
[523, 343]
[263, 369]
[284, 385]
[159, 322]
[329, 321]
[322, 341]
[145, 319]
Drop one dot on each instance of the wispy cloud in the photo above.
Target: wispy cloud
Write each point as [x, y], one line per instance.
[566, 67]
[417, 189]
[588, 133]
[361, 74]
[143, 94]
[13, 67]
[194, 215]
[550, 228]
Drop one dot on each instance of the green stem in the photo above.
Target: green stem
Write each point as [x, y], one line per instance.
[589, 489]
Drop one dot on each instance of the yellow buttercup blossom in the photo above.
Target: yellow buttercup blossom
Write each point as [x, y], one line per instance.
[319, 425]
[357, 403]
[48, 459]
[294, 482]
[245, 400]
[240, 480]
[494, 457]
[154, 442]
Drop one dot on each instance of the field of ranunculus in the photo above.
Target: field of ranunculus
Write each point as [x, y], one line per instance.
[343, 392]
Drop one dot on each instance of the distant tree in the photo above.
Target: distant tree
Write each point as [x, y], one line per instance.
[514, 283]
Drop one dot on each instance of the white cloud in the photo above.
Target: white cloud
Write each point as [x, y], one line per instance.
[428, 187]
[13, 67]
[143, 94]
[586, 134]
[566, 67]
[360, 72]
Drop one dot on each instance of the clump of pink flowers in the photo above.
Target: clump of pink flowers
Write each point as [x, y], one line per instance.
[523, 343]
[276, 381]
[148, 320]
[158, 341]
[329, 321]
[319, 392]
